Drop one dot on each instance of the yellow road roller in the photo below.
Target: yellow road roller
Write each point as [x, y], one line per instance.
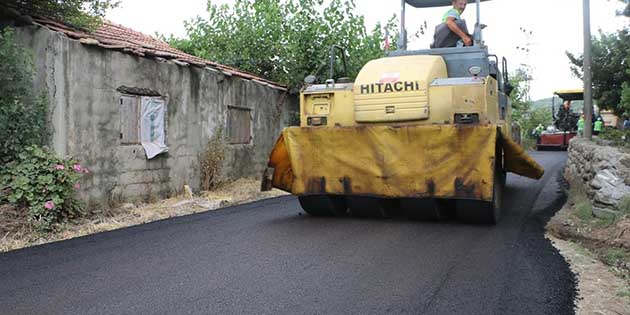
[426, 133]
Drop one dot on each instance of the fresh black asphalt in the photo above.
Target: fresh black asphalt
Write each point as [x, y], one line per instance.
[268, 257]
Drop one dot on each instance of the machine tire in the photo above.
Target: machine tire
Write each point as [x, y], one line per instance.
[484, 212]
[324, 205]
[367, 207]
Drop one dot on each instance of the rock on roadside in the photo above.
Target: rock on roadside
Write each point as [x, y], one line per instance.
[603, 170]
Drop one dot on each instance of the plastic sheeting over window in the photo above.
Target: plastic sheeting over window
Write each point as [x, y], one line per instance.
[152, 129]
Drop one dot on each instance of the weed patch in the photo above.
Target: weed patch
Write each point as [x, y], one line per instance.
[584, 210]
[625, 292]
[624, 205]
[614, 256]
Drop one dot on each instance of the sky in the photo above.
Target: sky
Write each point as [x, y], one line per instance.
[555, 25]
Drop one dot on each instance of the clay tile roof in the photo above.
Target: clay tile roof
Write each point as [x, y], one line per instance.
[118, 37]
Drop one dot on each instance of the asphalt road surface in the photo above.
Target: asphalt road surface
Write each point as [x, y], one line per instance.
[268, 257]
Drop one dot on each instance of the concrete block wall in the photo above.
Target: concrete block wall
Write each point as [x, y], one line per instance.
[82, 81]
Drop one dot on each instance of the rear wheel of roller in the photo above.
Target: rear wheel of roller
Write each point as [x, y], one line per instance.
[323, 205]
[486, 212]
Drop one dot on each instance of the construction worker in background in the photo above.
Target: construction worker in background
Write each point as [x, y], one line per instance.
[538, 132]
[566, 120]
[580, 126]
[599, 126]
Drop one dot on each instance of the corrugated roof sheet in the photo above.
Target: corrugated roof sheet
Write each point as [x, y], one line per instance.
[118, 37]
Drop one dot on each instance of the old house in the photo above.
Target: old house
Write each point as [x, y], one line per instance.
[118, 97]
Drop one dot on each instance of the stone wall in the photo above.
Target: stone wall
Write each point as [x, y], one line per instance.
[603, 170]
[82, 83]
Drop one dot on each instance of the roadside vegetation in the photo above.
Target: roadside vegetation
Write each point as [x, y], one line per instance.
[37, 187]
[34, 181]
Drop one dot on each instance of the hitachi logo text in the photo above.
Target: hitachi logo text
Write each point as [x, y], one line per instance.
[399, 86]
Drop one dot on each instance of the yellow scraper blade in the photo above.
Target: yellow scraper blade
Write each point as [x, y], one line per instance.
[443, 161]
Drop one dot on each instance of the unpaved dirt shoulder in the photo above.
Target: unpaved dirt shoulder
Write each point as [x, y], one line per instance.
[602, 289]
[16, 234]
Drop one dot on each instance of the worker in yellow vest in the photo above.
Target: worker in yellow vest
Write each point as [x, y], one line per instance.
[599, 126]
[580, 126]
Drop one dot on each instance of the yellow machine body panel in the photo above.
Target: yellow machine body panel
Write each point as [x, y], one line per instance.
[402, 91]
[402, 129]
[396, 89]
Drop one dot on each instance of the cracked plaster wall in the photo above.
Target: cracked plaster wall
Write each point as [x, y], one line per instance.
[81, 83]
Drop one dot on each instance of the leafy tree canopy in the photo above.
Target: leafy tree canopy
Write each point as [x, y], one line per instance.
[284, 40]
[521, 103]
[81, 13]
[611, 70]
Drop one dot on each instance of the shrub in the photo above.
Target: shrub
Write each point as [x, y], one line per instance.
[43, 184]
[615, 136]
[584, 210]
[22, 114]
[614, 256]
[211, 161]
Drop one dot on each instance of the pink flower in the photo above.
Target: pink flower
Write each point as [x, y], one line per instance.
[85, 170]
[77, 167]
[60, 167]
[49, 204]
[77, 186]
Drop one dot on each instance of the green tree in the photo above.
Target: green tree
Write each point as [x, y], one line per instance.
[611, 70]
[284, 40]
[80, 13]
[22, 113]
[520, 94]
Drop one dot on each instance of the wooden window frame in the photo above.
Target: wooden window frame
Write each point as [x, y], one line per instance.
[126, 135]
[137, 112]
[243, 135]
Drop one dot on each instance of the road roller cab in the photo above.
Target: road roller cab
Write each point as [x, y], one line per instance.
[424, 132]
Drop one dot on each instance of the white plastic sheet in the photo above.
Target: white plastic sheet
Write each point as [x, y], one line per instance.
[152, 132]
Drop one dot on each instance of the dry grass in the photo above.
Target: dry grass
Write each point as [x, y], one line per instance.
[211, 160]
[241, 191]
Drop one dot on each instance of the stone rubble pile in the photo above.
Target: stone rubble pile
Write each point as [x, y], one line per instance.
[604, 171]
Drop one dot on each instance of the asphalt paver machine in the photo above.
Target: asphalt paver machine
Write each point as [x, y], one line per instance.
[557, 137]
